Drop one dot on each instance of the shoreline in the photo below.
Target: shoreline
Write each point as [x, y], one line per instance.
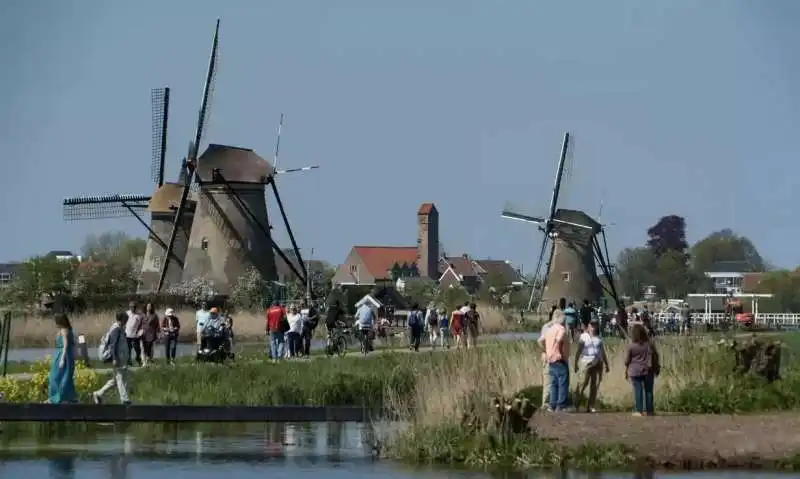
[691, 441]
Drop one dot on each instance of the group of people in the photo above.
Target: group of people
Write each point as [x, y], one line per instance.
[289, 330]
[131, 337]
[642, 364]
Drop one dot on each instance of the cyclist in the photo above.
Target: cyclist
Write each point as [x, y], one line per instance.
[365, 321]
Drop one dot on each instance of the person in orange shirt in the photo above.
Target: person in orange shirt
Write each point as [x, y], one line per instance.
[556, 348]
[456, 323]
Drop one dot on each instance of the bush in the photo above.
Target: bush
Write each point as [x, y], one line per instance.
[34, 390]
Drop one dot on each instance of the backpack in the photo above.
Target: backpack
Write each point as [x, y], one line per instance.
[415, 319]
[104, 349]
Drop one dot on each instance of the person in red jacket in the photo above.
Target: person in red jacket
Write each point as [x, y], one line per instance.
[276, 319]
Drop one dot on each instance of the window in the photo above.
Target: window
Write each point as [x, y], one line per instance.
[204, 243]
[5, 278]
[353, 269]
[156, 261]
[565, 277]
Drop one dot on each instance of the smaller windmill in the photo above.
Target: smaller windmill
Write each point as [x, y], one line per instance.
[575, 252]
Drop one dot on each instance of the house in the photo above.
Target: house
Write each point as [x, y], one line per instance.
[7, 273]
[728, 277]
[63, 255]
[384, 265]
[471, 273]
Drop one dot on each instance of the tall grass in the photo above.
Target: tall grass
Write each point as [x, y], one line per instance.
[40, 332]
[696, 377]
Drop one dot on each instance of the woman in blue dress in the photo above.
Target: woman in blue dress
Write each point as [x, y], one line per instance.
[61, 388]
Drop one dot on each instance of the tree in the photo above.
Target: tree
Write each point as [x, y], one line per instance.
[111, 244]
[635, 269]
[421, 290]
[725, 245]
[784, 285]
[669, 234]
[673, 278]
[42, 275]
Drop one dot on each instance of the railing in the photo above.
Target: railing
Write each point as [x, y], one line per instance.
[770, 320]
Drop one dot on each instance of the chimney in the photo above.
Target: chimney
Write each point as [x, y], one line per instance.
[428, 241]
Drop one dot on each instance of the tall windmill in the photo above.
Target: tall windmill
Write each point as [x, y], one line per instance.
[230, 231]
[161, 205]
[575, 252]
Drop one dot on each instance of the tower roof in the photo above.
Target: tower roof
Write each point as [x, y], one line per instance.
[426, 209]
[240, 165]
[574, 231]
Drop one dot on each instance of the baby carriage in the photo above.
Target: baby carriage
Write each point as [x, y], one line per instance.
[215, 345]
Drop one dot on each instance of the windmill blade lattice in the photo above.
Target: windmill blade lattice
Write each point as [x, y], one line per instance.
[159, 98]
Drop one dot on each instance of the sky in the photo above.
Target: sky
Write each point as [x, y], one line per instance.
[680, 107]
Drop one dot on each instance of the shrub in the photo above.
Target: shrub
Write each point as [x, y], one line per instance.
[14, 389]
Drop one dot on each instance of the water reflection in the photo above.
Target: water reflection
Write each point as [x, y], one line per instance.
[62, 468]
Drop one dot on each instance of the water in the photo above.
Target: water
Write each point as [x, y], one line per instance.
[34, 354]
[253, 451]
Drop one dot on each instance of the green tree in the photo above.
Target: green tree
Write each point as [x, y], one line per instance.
[673, 278]
[421, 290]
[784, 285]
[113, 244]
[42, 275]
[725, 245]
[635, 269]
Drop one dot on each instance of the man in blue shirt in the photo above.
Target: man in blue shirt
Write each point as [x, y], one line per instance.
[571, 320]
[365, 320]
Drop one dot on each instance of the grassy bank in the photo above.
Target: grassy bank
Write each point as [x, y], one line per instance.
[433, 392]
[29, 332]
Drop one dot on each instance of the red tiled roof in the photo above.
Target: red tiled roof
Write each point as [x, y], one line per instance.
[380, 259]
[426, 208]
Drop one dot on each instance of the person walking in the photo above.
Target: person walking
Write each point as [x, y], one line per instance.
[471, 325]
[310, 322]
[416, 324]
[592, 359]
[642, 366]
[170, 328]
[151, 325]
[365, 324]
[133, 333]
[61, 380]
[293, 336]
[432, 322]
[456, 326]
[276, 317]
[556, 345]
[444, 328]
[200, 319]
[115, 350]
[545, 369]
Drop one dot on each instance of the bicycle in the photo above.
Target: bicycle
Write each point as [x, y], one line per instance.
[337, 342]
[365, 342]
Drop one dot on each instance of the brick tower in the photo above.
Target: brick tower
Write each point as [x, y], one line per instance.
[428, 241]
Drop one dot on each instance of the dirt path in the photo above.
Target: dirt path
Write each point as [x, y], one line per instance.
[682, 440]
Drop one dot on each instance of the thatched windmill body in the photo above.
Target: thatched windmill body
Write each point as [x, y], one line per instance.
[575, 251]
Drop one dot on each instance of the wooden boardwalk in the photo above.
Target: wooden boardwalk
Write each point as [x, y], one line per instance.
[10, 412]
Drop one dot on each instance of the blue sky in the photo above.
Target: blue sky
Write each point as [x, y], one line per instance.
[677, 107]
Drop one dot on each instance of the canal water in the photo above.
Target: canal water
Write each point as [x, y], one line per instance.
[34, 354]
[253, 451]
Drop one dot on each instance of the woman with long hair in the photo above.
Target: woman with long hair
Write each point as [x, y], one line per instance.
[642, 366]
[61, 381]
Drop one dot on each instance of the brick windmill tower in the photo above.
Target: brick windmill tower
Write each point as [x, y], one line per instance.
[575, 251]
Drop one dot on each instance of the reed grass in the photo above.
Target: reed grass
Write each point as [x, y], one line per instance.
[32, 331]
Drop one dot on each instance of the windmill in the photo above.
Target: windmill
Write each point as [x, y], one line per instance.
[575, 253]
[160, 205]
[230, 230]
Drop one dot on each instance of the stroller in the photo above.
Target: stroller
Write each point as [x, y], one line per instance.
[216, 346]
